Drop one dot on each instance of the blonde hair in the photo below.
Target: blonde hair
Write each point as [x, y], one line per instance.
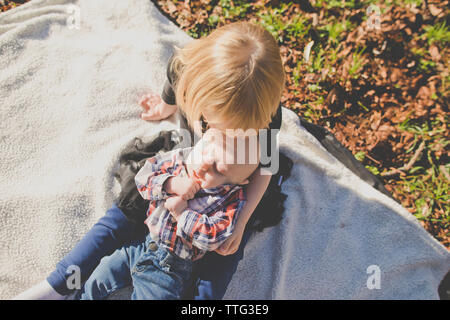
[235, 73]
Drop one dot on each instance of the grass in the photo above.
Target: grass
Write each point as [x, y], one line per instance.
[437, 33]
[234, 9]
[431, 193]
[333, 30]
[357, 63]
[317, 60]
[333, 4]
[427, 181]
[271, 20]
[298, 27]
[416, 3]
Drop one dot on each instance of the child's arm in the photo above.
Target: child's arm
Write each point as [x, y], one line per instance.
[184, 187]
[161, 107]
[151, 177]
[155, 108]
[254, 191]
[209, 232]
[176, 205]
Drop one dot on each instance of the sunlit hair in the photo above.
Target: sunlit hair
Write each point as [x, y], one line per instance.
[235, 74]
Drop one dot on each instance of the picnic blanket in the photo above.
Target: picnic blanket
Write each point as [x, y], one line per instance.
[71, 73]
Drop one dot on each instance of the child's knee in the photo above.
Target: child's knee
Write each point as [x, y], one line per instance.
[111, 274]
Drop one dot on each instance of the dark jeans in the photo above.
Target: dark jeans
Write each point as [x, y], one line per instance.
[154, 273]
[211, 274]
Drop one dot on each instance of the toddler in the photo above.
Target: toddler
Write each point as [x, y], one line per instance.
[193, 209]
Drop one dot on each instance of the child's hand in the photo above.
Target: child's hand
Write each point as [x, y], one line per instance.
[154, 108]
[176, 205]
[184, 187]
[231, 245]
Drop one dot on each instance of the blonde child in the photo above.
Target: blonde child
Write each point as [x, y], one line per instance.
[231, 79]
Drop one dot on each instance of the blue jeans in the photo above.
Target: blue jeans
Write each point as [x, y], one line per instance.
[154, 273]
[211, 274]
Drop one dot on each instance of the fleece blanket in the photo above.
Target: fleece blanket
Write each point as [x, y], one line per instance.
[71, 75]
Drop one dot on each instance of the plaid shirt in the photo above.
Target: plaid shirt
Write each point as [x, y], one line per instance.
[205, 224]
